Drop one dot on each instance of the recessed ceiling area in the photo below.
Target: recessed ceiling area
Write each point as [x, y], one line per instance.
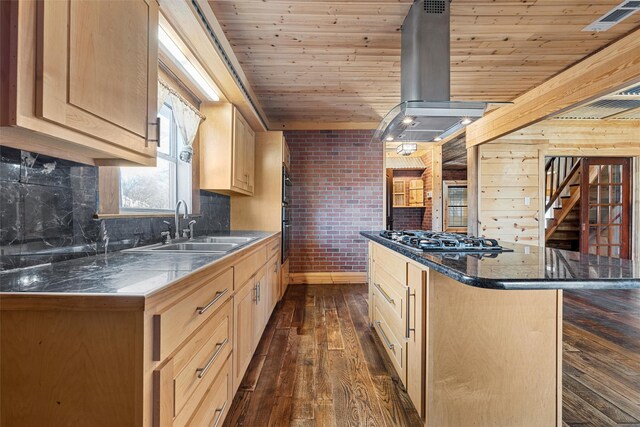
[622, 105]
[339, 61]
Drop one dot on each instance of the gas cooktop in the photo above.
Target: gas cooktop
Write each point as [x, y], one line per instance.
[434, 241]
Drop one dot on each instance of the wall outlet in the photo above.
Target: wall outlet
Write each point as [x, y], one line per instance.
[527, 201]
[429, 194]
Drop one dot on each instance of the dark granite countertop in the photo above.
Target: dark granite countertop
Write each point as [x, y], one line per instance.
[527, 267]
[118, 273]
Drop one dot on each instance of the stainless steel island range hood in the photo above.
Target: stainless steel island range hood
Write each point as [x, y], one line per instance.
[426, 112]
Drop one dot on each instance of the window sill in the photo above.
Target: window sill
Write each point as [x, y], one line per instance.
[133, 215]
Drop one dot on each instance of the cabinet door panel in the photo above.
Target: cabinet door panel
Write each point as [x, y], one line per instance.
[250, 154]
[240, 178]
[259, 320]
[243, 330]
[98, 76]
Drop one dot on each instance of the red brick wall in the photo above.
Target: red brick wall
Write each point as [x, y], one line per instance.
[407, 218]
[338, 179]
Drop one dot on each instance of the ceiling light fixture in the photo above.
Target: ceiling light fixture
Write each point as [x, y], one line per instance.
[172, 48]
[466, 121]
[407, 148]
[437, 139]
[389, 138]
[407, 120]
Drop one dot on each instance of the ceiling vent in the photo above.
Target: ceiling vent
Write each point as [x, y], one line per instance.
[614, 16]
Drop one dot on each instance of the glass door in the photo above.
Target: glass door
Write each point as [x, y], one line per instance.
[606, 207]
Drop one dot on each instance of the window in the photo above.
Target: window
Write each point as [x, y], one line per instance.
[455, 203]
[145, 189]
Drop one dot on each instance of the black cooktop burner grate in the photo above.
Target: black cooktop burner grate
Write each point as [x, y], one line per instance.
[433, 241]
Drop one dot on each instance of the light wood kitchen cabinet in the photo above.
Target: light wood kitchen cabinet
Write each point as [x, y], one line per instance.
[244, 303]
[88, 93]
[227, 151]
[273, 284]
[260, 312]
[171, 358]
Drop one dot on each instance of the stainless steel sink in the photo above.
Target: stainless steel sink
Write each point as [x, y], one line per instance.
[227, 239]
[197, 247]
[218, 244]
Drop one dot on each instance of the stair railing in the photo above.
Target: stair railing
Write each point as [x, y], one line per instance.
[559, 173]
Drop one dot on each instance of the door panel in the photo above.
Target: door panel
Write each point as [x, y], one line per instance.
[243, 320]
[606, 207]
[240, 178]
[97, 71]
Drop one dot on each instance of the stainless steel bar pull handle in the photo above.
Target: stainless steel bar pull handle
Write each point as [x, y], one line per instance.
[384, 294]
[409, 329]
[219, 295]
[202, 371]
[220, 412]
[384, 336]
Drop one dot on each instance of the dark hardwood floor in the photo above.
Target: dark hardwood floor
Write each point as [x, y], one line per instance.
[601, 365]
[319, 364]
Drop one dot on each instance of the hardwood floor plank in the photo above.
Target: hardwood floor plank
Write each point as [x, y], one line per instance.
[580, 412]
[284, 315]
[600, 404]
[368, 405]
[287, 377]
[281, 413]
[236, 416]
[334, 334]
[304, 388]
[344, 398]
[264, 396]
[325, 414]
[250, 379]
[359, 315]
[324, 391]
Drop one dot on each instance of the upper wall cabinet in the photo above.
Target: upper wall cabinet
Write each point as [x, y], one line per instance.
[227, 147]
[81, 78]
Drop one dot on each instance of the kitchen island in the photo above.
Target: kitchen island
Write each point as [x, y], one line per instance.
[476, 338]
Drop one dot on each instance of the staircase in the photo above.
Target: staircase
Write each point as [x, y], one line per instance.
[562, 185]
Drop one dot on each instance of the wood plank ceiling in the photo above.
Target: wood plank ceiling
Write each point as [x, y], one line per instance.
[326, 62]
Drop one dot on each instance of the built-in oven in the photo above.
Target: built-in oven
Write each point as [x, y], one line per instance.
[287, 187]
[286, 240]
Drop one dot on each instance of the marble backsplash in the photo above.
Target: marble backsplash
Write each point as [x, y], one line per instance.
[47, 209]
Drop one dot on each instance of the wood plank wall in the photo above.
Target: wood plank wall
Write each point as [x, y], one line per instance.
[507, 174]
[512, 168]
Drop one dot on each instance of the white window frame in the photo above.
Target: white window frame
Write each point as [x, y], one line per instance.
[179, 190]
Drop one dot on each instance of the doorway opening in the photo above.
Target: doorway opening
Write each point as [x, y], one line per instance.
[588, 205]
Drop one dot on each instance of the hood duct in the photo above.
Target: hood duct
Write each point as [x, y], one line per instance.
[426, 112]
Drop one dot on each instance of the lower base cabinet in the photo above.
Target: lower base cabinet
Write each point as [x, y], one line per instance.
[174, 358]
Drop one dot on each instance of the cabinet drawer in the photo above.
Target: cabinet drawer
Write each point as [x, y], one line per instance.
[392, 293]
[273, 248]
[198, 362]
[393, 263]
[396, 319]
[180, 320]
[249, 266]
[395, 348]
[215, 405]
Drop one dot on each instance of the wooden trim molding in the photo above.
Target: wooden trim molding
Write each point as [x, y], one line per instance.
[611, 69]
[327, 278]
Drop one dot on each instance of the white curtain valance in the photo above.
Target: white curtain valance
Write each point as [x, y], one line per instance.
[187, 117]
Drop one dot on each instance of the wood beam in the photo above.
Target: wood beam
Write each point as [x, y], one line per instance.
[611, 69]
